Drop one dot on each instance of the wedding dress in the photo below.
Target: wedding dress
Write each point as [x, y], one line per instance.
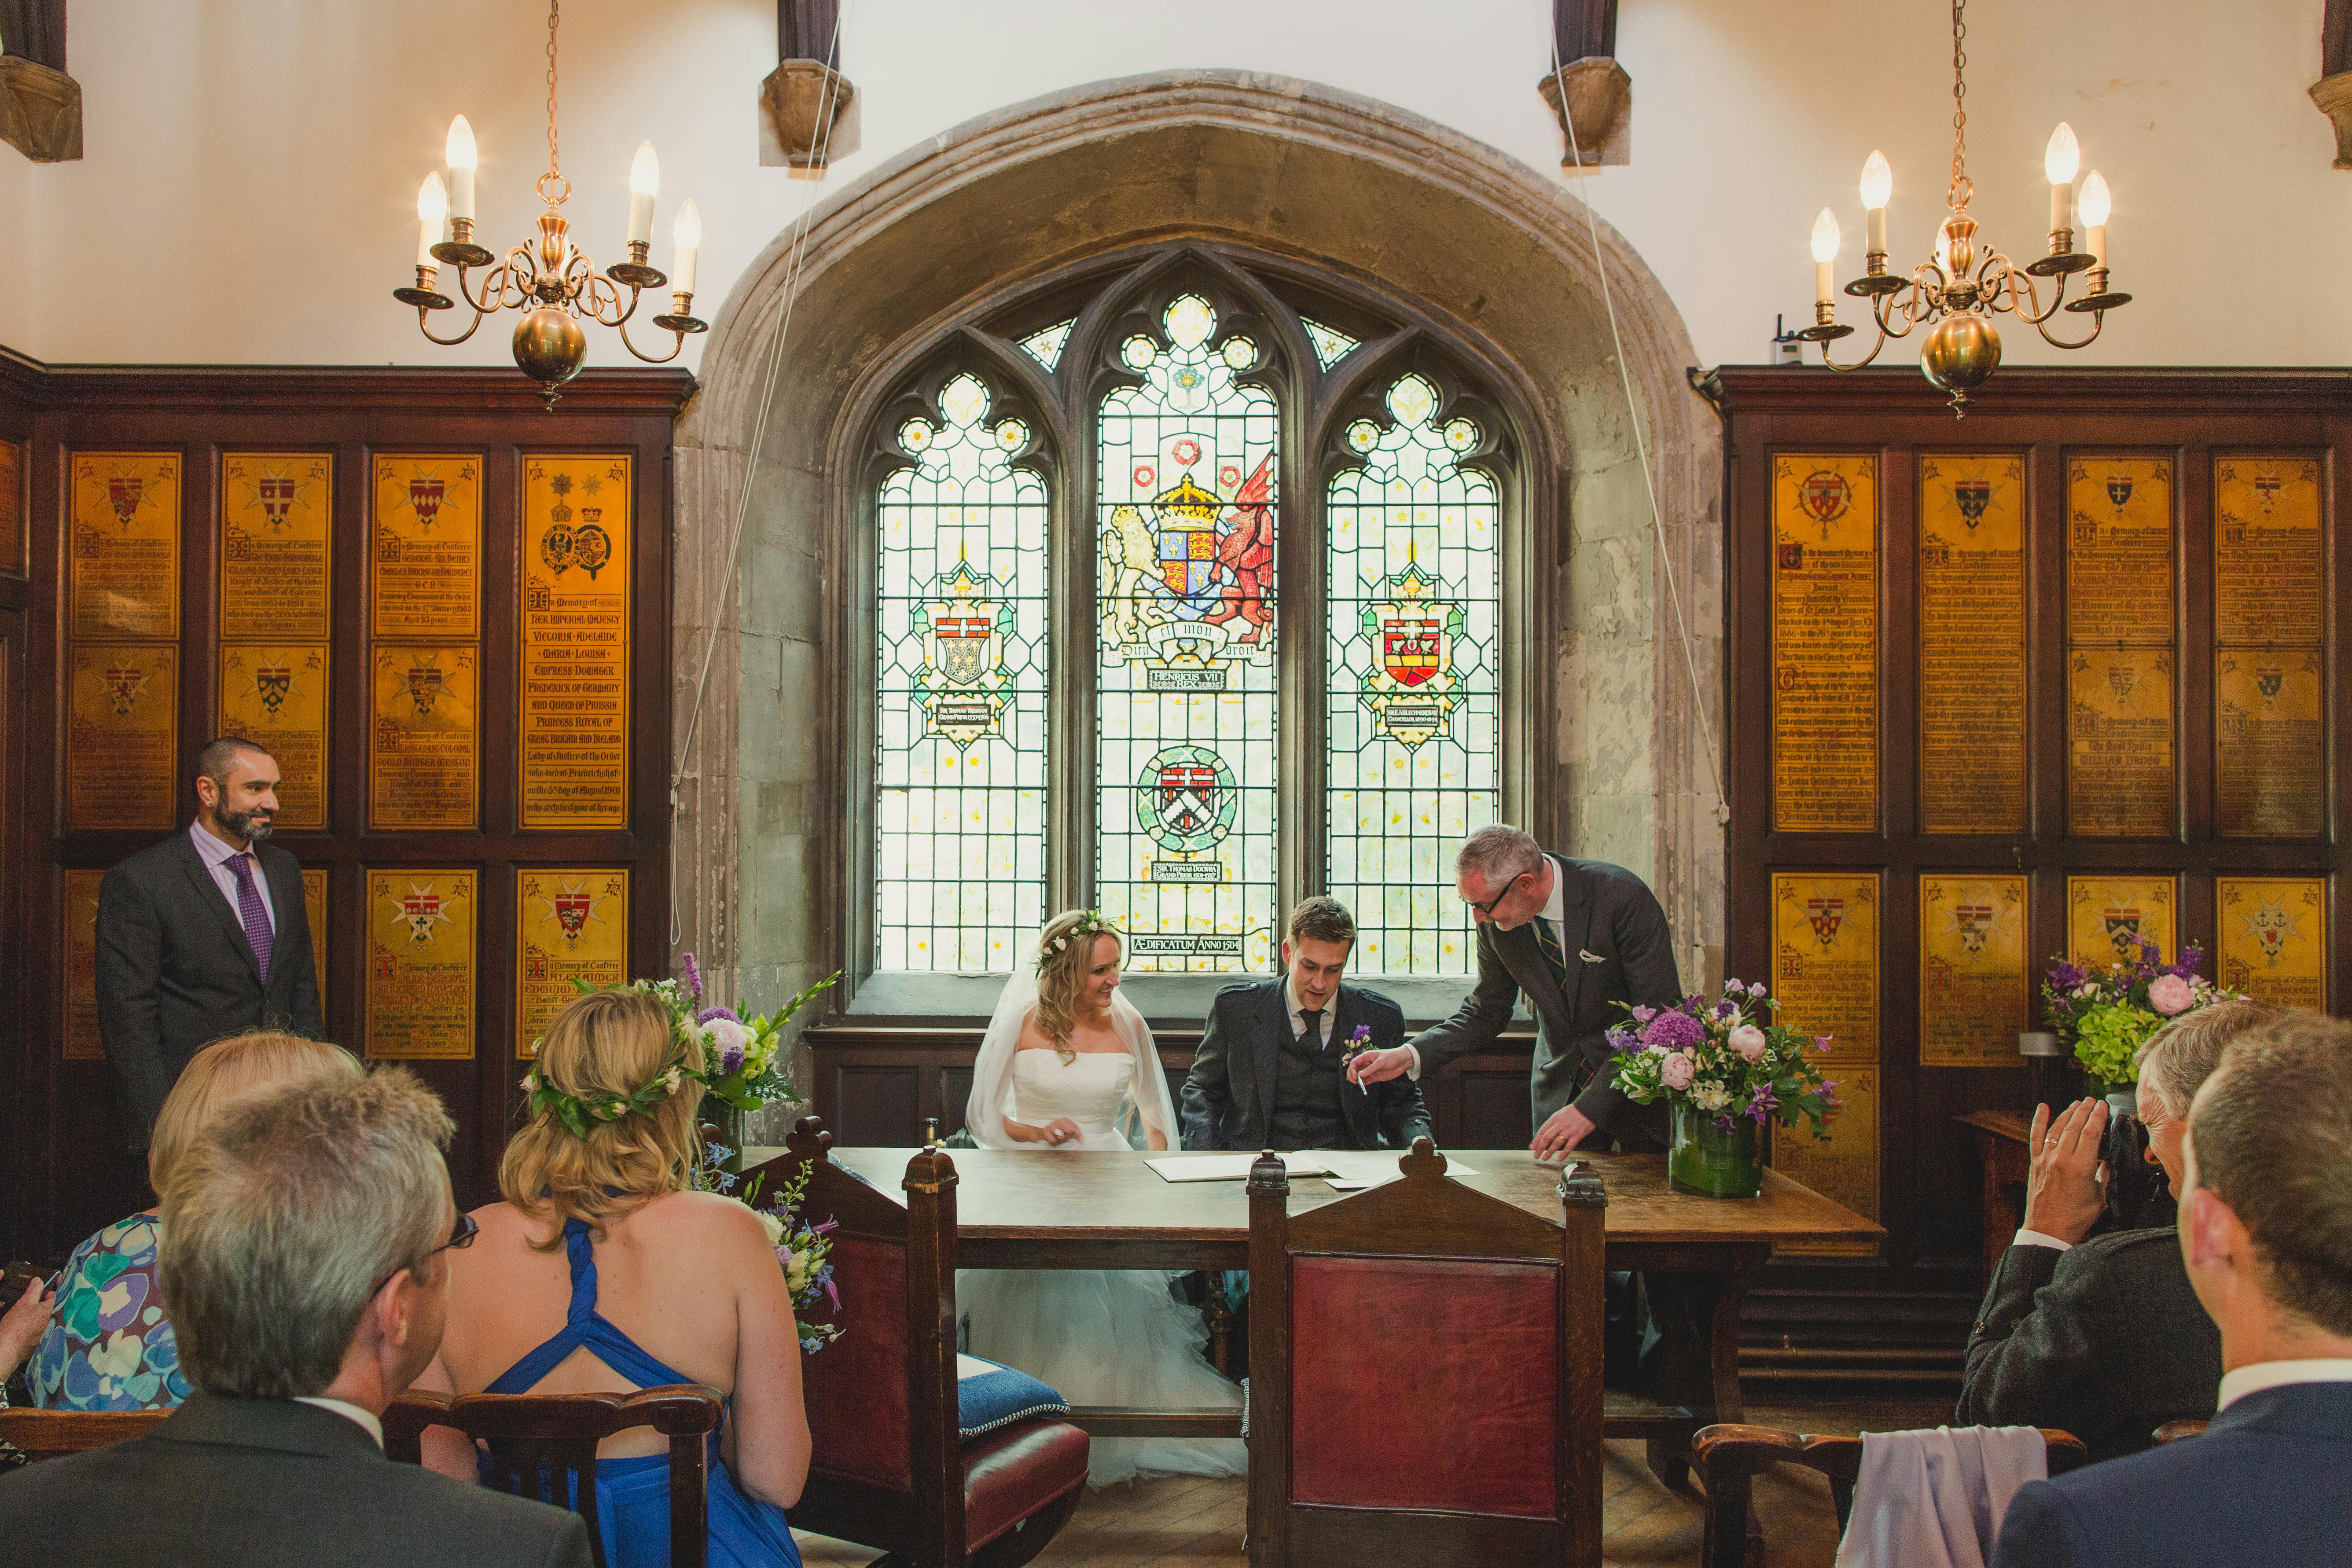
[1097, 1336]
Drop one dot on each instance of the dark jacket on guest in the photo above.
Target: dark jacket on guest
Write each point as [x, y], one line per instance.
[2105, 1339]
[1230, 1098]
[175, 972]
[268, 1483]
[2268, 1486]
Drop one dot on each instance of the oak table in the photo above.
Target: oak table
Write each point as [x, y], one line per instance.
[1050, 1210]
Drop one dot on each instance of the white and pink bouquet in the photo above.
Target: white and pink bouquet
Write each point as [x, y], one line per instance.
[2104, 1015]
[1726, 1059]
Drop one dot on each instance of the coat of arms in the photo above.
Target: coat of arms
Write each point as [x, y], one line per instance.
[1972, 497]
[421, 909]
[273, 683]
[2121, 677]
[1187, 576]
[2119, 489]
[1410, 690]
[1974, 922]
[1825, 915]
[1825, 494]
[2123, 931]
[124, 683]
[2266, 491]
[1186, 799]
[2268, 678]
[2270, 924]
[276, 492]
[123, 492]
[963, 683]
[592, 546]
[424, 684]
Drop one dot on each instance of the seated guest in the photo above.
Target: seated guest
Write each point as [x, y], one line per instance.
[603, 1272]
[2266, 1232]
[2100, 1334]
[305, 1248]
[1270, 1072]
[109, 1346]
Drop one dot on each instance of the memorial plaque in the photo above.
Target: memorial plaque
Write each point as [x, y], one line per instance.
[1971, 644]
[277, 546]
[2268, 555]
[2274, 939]
[1825, 960]
[12, 508]
[2270, 744]
[82, 1042]
[426, 559]
[123, 566]
[2119, 554]
[574, 689]
[422, 738]
[1844, 1167]
[1825, 644]
[572, 924]
[420, 968]
[122, 735]
[2119, 754]
[314, 910]
[276, 696]
[1973, 989]
[2108, 916]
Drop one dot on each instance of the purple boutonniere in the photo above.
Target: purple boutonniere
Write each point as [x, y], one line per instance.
[1359, 1042]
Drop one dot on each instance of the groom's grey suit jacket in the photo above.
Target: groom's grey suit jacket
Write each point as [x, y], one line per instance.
[1228, 1100]
[1618, 948]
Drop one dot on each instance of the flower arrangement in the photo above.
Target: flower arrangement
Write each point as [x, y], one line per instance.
[803, 1250]
[1727, 1059]
[1360, 1043]
[2104, 1015]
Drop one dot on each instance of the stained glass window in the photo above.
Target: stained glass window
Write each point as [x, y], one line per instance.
[961, 667]
[1185, 780]
[1330, 346]
[1414, 680]
[1046, 347]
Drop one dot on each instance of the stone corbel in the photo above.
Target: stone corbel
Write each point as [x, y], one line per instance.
[800, 104]
[1599, 105]
[2334, 96]
[40, 110]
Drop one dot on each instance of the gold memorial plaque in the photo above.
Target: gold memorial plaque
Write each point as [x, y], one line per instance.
[123, 571]
[422, 738]
[277, 546]
[574, 689]
[2108, 916]
[425, 559]
[1843, 1167]
[2274, 939]
[2119, 556]
[420, 970]
[2119, 764]
[572, 923]
[12, 508]
[2270, 742]
[82, 1041]
[1825, 644]
[1971, 644]
[1973, 990]
[1825, 960]
[2268, 556]
[122, 736]
[278, 696]
[314, 910]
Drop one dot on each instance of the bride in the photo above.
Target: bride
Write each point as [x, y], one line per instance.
[1067, 1063]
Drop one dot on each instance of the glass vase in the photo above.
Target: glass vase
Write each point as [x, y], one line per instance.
[1712, 1161]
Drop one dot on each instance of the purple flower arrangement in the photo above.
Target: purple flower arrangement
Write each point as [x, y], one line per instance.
[2104, 1015]
[804, 1248]
[1726, 1059]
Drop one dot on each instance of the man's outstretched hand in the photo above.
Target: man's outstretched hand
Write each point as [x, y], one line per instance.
[1379, 1067]
[1562, 1132]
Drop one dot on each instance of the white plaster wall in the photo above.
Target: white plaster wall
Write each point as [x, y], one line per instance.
[251, 165]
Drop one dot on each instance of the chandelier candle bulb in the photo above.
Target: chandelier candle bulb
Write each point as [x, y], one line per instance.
[431, 217]
[2095, 204]
[458, 153]
[2059, 161]
[687, 233]
[1825, 249]
[644, 184]
[1877, 187]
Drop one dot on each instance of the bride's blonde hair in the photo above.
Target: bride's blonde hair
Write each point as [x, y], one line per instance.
[1065, 952]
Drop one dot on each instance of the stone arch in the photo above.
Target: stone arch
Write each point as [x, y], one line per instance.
[1493, 249]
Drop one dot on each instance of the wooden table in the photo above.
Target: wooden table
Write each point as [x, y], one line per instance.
[2004, 1157]
[1024, 1209]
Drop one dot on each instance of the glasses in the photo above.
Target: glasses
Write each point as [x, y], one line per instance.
[1487, 909]
[461, 1237]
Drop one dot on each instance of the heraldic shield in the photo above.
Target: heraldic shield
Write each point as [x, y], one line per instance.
[1185, 799]
[962, 684]
[1411, 690]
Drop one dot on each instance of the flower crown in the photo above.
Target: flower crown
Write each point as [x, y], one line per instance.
[579, 1113]
[1090, 923]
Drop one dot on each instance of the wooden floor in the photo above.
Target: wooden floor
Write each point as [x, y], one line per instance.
[1193, 1522]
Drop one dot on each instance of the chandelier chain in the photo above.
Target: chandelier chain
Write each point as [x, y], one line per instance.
[1957, 196]
[553, 186]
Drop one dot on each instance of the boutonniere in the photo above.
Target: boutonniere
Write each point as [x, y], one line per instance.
[1360, 1043]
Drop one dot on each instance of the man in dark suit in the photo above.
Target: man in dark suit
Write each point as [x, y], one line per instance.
[2266, 1233]
[204, 934]
[304, 1274]
[1575, 937]
[1268, 1074]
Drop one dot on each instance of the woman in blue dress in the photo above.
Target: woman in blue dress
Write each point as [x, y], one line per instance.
[605, 1271]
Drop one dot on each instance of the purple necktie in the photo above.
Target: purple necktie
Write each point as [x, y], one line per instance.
[252, 913]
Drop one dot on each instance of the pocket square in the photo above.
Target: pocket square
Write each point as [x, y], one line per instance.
[1590, 957]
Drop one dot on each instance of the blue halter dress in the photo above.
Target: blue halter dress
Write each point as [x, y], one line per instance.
[633, 1495]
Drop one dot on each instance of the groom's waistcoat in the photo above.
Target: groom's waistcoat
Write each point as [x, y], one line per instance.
[1304, 1112]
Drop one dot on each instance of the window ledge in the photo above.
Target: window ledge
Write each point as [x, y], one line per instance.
[1170, 1000]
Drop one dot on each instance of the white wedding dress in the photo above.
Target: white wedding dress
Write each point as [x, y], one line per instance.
[1098, 1336]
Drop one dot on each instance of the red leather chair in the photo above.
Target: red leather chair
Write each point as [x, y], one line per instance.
[888, 1468]
[1424, 1374]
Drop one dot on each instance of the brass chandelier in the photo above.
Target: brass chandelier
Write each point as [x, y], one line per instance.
[549, 279]
[1957, 295]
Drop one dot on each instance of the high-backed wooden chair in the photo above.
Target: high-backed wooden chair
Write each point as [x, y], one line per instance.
[543, 1446]
[1730, 1456]
[889, 1467]
[49, 1434]
[1424, 1374]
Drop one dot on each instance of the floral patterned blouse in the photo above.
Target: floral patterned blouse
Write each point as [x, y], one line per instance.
[109, 1345]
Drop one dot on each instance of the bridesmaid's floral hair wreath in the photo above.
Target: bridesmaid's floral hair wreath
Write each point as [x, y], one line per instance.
[1090, 923]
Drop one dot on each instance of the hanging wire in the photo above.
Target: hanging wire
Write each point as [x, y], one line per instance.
[1641, 449]
[794, 256]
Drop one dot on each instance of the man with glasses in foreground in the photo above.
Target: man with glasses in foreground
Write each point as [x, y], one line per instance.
[303, 1266]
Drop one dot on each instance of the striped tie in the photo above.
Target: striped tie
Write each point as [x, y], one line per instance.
[252, 913]
[1554, 955]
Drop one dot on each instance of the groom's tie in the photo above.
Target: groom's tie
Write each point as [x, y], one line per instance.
[1310, 1037]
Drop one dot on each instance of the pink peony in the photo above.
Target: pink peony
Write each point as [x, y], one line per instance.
[1749, 1041]
[2169, 994]
[1675, 1072]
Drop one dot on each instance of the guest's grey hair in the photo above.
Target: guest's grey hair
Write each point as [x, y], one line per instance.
[2176, 1059]
[1498, 854]
[286, 1218]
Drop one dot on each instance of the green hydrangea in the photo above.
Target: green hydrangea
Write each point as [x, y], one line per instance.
[2108, 1037]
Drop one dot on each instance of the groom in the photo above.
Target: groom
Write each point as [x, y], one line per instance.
[1269, 1073]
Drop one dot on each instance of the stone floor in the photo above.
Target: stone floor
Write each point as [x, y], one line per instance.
[1185, 1522]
